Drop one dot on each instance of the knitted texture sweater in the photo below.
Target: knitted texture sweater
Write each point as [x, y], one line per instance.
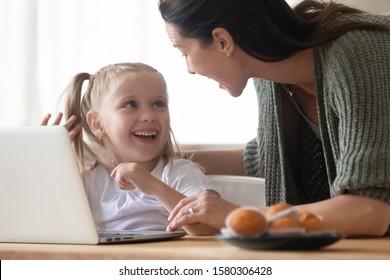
[352, 79]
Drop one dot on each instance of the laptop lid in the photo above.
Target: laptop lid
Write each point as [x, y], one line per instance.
[42, 196]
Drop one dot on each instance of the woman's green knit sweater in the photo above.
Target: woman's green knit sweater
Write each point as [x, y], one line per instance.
[352, 78]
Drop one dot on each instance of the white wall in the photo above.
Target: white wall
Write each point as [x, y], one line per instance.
[46, 42]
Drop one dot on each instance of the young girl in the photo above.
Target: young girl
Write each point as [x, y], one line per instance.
[121, 131]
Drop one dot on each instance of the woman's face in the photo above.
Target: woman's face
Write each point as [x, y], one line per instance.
[211, 61]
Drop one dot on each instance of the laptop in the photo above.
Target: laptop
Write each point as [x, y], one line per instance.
[42, 196]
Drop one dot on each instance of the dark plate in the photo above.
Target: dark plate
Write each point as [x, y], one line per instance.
[297, 242]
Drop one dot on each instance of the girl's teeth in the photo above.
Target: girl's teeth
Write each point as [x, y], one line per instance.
[146, 133]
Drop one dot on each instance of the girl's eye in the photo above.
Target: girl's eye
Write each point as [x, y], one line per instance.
[160, 104]
[131, 104]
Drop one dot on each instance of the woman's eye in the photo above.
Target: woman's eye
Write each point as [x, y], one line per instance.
[131, 104]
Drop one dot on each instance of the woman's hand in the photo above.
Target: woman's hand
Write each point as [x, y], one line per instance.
[204, 208]
[134, 175]
[68, 124]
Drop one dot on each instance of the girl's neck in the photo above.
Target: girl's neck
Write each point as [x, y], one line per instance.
[150, 165]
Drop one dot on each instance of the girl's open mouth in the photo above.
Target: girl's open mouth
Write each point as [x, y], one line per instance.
[152, 134]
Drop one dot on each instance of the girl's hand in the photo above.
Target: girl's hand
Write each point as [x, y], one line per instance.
[68, 124]
[133, 175]
[204, 208]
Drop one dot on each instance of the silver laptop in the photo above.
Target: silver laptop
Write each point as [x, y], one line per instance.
[42, 196]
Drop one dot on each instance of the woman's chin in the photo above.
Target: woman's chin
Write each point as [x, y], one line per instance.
[232, 93]
[221, 86]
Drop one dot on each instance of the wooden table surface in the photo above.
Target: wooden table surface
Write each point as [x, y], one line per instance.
[201, 248]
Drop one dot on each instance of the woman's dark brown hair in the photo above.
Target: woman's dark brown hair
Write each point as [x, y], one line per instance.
[269, 30]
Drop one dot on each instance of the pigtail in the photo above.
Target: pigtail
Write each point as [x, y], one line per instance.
[73, 106]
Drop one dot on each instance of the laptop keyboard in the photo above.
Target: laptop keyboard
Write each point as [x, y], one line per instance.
[114, 234]
[117, 236]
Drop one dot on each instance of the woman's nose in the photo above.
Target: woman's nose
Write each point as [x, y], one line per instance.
[189, 69]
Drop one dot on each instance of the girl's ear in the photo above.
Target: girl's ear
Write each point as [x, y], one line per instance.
[224, 40]
[95, 125]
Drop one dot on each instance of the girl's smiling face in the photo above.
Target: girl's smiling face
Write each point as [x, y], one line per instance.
[214, 61]
[135, 118]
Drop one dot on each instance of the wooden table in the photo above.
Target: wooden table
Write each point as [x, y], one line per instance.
[200, 248]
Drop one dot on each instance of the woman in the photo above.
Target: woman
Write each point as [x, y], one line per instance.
[321, 72]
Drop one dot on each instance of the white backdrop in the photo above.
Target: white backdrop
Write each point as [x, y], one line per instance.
[46, 42]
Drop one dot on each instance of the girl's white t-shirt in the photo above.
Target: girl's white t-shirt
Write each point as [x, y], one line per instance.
[114, 208]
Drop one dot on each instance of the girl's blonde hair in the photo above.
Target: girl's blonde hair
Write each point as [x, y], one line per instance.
[88, 148]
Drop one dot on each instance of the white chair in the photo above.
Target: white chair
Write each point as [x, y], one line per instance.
[241, 190]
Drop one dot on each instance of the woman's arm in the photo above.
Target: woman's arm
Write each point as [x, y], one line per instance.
[131, 175]
[350, 215]
[353, 215]
[224, 162]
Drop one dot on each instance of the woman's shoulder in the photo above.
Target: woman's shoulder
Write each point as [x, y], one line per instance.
[357, 40]
[355, 49]
[379, 17]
